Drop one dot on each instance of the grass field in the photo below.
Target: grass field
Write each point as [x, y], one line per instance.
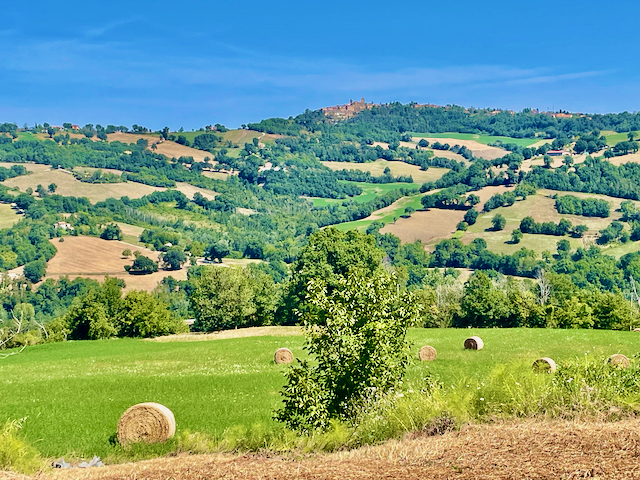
[397, 169]
[8, 216]
[484, 139]
[82, 388]
[614, 137]
[541, 208]
[369, 192]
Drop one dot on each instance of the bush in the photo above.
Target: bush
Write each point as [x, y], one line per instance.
[356, 336]
[15, 453]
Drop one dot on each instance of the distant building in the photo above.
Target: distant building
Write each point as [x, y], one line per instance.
[556, 153]
[63, 225]
[340, 112]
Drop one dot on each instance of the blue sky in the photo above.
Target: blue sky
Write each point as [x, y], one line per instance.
[195, 63]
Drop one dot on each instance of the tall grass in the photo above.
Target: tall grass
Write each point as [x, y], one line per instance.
[15, 452]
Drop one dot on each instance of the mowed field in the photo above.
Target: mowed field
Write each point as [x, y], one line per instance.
[69, 186]
[478, 149]
[506, 450]
[397, 169]
[483, 139]
[92, 257]
[81, 388]
[435, 224]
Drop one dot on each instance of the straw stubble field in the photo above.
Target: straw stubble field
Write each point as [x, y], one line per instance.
[519, 450]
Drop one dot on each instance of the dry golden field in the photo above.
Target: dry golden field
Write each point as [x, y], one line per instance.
[529, 449]
[397, 168]
[479, 149]
[69, 186]
[435, 224]
[95, 258]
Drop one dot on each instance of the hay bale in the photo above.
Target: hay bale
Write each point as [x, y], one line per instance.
[427, 353]
[473, 343]
[619, 360]
[283, 355]
[146, 422]
[635, 329]
[544, 365]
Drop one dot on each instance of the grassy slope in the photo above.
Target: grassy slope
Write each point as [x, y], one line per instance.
[82, 388]
[613, 137]
[369, 192]
[542, 209]
[484, 139]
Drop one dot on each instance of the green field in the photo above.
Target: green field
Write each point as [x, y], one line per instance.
[484, 139]
[8, 216]
[613, 137]
[72, 394]
[396, 210]
[369, 192]
[541, 208]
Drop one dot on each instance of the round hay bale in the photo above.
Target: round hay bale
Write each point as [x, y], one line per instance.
[473, 343]
[635, 329]
[619, 360]
[146, 422]
[544, 365]
[427, 353]
[283, 355]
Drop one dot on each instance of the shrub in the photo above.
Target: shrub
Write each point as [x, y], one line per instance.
[15, 453]
[356, 336]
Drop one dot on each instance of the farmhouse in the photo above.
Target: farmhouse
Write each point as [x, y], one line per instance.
[63, 225]
[557, 153]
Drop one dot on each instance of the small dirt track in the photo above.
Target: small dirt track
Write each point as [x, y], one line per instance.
[527, 450]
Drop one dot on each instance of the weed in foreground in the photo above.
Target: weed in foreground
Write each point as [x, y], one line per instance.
[15, 453]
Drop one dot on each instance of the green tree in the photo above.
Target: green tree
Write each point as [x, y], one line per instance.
[483, 304]
[217, 251]
[516, 236]
[52, 188]
[126, 252]
[222, 298]
[356, 338]
[145, 316]
[330, 254]
[498, 222]
[174, 259]
[88, 319]
[142, 266]
[111, 232]
[34, 271]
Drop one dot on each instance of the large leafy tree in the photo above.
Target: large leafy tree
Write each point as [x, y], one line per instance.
[356, 338]
[330, 254]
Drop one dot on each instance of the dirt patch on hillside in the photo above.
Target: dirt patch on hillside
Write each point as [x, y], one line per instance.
[92, 257]
[189, 190]
[527, 450]
[175, 150]
[435, 224]
[274, 331]
[478, 149]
